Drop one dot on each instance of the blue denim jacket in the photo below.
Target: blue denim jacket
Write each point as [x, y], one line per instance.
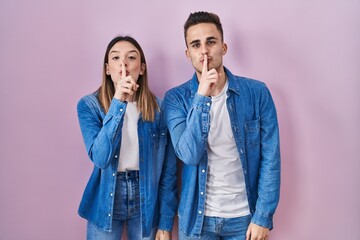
[255, 127]
[157, 166]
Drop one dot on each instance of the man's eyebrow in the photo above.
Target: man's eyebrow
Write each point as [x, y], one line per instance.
[207, 39]
[211, 38]
[194, 41]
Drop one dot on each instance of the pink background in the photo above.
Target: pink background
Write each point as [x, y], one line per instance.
[307, 52]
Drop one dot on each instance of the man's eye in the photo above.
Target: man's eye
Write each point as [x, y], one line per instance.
[196, 45]
[211, 42]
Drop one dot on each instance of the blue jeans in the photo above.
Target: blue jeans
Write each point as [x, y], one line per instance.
[126, 210]
[216, 228]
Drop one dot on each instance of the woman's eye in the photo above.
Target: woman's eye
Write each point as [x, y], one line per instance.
[115, 58]
[132, 57]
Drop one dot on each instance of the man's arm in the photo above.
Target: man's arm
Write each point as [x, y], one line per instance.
[168, 202]
[188, 130]
[269, 172]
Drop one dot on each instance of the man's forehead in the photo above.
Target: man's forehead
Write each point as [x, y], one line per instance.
[202, 31]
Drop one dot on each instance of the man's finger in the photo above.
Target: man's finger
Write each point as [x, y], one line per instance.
[205, 63]
[248, 234]
[123, 70]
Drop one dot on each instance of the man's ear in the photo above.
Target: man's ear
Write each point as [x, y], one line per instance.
[225, 48]
[187, 54]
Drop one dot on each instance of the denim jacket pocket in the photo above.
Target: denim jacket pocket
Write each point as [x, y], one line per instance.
[158, 139]
[252, 133]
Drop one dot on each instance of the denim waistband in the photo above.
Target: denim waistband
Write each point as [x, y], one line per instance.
[128, 174]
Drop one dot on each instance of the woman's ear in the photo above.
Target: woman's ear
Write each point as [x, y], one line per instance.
[107, 69]
[143, 68]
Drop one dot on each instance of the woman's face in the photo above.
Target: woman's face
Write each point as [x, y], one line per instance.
[124, 52]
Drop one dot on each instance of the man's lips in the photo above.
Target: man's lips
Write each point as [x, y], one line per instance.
[202, 60]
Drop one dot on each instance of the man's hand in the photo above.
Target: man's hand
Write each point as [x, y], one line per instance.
[208, 80]
[163, 235]
[256, 232]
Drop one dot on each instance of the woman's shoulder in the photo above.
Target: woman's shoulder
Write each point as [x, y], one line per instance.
[89, 100]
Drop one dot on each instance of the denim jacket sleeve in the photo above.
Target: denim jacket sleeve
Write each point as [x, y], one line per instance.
[168, 201]
[101, 134]
[168, 189]
[189, 142]
[269, 172]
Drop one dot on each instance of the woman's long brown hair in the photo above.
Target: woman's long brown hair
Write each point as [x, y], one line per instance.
[146, 100]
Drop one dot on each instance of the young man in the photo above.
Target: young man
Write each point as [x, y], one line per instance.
[224, 129]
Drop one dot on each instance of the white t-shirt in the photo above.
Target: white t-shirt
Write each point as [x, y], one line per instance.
[225, 187]
[129, 149]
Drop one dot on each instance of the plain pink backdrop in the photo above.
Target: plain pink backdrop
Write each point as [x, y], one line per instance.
[307, 52]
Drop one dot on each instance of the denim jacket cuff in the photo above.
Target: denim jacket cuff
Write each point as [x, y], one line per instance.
[263, 220]
[166, 223]
[117, 107]
[202, 103]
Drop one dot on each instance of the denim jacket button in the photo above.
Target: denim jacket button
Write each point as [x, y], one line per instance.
[111, 194]
[113, 174]
[115, 156]
[202, 193]
[208, 104]
[203, 170]
[109, 215]
[121, 109]
[200, 212]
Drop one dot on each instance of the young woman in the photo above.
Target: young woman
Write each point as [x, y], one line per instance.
[133, 182]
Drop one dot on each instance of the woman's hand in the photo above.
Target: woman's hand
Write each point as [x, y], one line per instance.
[126, 86]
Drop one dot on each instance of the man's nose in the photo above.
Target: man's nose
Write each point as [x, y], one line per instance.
[204, 49]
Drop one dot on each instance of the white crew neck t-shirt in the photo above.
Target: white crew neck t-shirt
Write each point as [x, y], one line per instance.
[129, 150]
[225, 187]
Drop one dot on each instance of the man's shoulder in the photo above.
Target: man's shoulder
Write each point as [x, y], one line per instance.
[182, 88]
[248, 85]
[243, 82]
[249, 82]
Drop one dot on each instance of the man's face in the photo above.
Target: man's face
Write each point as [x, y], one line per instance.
[201, 39]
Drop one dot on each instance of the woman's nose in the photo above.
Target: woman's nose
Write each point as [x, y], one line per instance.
[123, 62]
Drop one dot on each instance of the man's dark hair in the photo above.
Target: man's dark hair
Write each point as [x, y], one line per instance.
[203, 17]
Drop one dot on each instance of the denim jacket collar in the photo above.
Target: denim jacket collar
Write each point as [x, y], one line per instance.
[233, 84]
